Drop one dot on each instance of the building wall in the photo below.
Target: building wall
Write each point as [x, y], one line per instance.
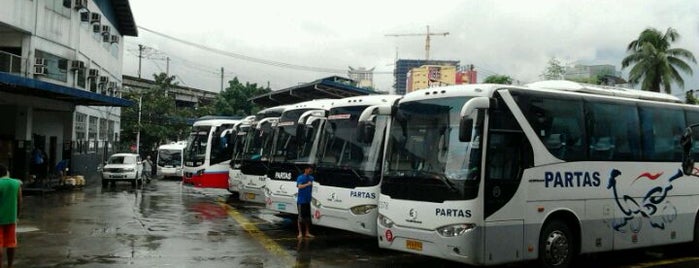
[403, 67]
[45, 28]
[428, 76]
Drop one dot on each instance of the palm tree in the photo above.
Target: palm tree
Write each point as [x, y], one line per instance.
[655, 64]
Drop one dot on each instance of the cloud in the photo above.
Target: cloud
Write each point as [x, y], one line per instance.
[514, 38]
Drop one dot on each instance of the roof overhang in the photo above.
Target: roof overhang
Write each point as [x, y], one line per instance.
[127, 24]
[20, 85]
[327, 88]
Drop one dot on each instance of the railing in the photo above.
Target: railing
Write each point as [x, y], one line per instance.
[11, 63]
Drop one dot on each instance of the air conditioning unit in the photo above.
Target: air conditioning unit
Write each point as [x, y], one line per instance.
[104, 79]
[85, 16]
[112, 84]
[39, 70]
[105, 30]
[95, 17]
[77, 65]
[96, 28]
[105, 38]
[114, 39]
[40, 61]
[80, 4]
[93, 73]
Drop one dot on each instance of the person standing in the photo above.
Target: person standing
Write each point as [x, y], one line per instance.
[10, 204]
[304, 183]
[148, 168]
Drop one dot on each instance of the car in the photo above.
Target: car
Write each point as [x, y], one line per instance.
[123, 167]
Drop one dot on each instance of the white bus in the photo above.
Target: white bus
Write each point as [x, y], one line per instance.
[208, 152]
[295, 144]
[169, 160]
[255, 155]
[490, 174]
[346, 188]
[239, 133]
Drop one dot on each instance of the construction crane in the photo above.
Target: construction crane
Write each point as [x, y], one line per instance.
[427, 39]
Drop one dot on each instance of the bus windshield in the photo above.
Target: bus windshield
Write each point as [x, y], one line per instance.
[424, 150]
[258, 144]
[287, 147]
[239, 143]
[195, 152]
[169, 157]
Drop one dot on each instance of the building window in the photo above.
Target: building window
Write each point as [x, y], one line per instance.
[110, 128]
[80, 123]
[92, 131]
[61, 7]
[81, 78]
[103, 129]
[56, 67]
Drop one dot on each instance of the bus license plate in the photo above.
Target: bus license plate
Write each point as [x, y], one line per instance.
[250, 196]
[281, 206]
[414, 245]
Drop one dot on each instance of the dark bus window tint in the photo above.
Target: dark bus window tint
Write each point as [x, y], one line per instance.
[661, 130]
[693, 118]
[613, 131]
[559, 124]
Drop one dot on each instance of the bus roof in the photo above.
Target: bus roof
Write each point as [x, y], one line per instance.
[172, 146]
[564, 85]
[367, 100]
[214, 122]
[314, 104]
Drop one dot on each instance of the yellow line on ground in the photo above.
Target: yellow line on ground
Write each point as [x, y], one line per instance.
[662, 262]
[258, 235]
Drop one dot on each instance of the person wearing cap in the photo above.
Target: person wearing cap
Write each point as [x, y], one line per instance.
[304, 183]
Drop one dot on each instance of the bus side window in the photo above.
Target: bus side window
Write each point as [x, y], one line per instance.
[662, 129]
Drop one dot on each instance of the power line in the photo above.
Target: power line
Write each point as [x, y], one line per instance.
[248, 58]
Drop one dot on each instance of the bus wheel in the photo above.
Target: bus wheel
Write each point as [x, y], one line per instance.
[696, 231]
[556, 245]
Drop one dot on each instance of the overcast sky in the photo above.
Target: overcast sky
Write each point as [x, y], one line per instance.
[515, 38]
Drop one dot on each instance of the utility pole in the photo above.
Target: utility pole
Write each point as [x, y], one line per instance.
[427, 39]
[140, 56]
[167, 66]
[221, 79]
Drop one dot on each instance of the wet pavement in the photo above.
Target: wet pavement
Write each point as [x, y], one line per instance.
[167, 225]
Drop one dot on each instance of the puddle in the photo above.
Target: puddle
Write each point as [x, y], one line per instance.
[26, 229]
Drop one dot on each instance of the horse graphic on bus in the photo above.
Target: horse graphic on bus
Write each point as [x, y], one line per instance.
[637, 208]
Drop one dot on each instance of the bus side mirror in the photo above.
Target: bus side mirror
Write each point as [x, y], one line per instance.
[465, 129]
[687, 144]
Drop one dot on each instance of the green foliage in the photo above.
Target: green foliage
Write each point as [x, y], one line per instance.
[690, 98]
[654, 63]
[554, 70]
[498, 79]
[234, 99]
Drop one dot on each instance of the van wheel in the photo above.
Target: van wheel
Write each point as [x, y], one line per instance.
[105, 183]
[556, 245]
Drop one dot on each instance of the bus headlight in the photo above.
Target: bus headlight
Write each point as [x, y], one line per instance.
[362, 210]
[455, 230]
[385, 221]
[315, 203]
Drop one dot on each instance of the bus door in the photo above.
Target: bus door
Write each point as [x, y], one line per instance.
[507, 154]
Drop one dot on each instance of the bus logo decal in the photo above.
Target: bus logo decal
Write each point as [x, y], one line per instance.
[570, 179]
[646, 207]
[412, 213]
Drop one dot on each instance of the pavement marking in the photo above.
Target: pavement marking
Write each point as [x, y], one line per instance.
[662, 262]
[268, 243]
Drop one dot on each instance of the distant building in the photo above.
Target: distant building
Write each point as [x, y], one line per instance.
[363, 77]
[400, 73]
[428, 76]
[60, 76]
[184, 96]
[605, 72]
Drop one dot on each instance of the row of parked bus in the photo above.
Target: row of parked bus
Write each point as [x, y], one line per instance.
[481, 174]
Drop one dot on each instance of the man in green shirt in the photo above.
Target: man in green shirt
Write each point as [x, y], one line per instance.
[10, 203]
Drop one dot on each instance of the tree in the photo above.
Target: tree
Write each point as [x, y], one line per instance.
[554, 70]
[234, 99]
[654, 63]
[498, 79]
[690, 98]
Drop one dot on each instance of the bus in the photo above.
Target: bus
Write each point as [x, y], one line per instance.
[491, 174]
[169, 160]
[239, 133]
[346, 187]
[208, 154]
[254, 158]
[294, 145]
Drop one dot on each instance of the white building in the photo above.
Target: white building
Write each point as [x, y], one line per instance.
[60, 74]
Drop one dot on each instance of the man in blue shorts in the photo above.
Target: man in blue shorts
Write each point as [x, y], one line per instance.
[304, 183]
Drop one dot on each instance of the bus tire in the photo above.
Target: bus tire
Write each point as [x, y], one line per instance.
[695, 243]
[556, 245]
